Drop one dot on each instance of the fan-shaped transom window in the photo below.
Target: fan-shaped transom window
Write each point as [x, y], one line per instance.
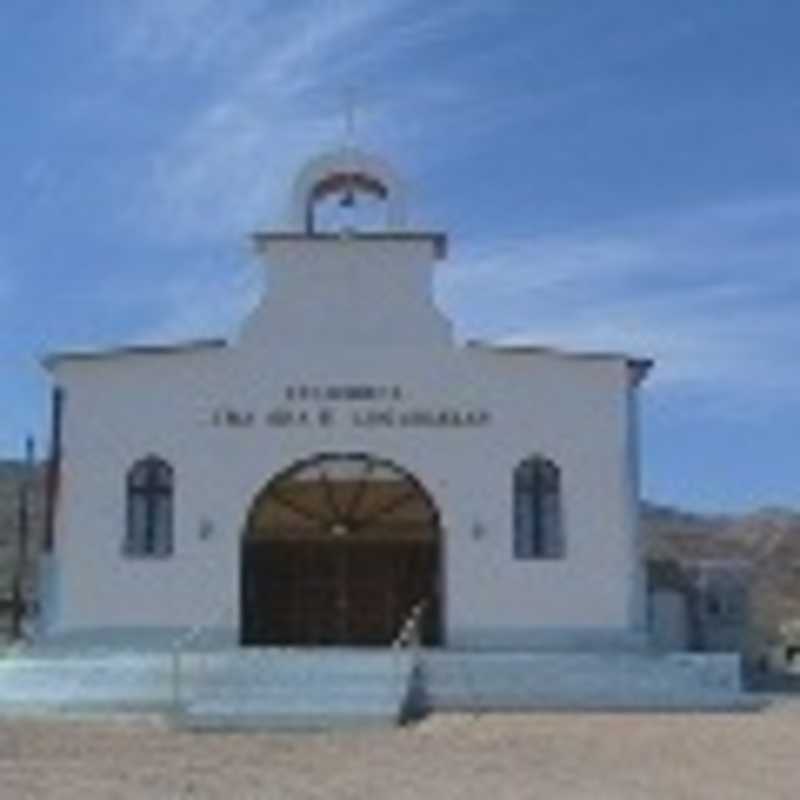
[349, 495]
[149, 532]
[538, 523]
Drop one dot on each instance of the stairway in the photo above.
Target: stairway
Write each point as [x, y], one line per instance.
[318, 688]
[295, 689]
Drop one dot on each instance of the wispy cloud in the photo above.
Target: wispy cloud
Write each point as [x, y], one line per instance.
[194, 32]
[687, 288]
[278, 96]
[227, 167]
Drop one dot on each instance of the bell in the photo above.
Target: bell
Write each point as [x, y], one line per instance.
[348, 199]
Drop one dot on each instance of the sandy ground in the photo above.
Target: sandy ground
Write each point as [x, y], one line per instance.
[553, 756]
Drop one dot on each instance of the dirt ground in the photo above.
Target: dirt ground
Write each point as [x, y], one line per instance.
[494, 757]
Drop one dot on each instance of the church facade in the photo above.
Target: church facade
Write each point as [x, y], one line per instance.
[343, 464]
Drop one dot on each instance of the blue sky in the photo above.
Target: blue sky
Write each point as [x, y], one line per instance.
[616, 175]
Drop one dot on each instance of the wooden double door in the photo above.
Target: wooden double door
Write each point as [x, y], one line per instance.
[327, 592]
[339, 550]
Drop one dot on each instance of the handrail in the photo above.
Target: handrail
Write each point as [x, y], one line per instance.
[409, 635]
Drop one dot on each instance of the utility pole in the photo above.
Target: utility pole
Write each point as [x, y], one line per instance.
[18, 603]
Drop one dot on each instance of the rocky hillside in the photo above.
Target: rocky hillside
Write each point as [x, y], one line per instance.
[673, 534]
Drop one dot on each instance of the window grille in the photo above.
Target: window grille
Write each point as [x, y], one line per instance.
[149, 530]
[538, 524]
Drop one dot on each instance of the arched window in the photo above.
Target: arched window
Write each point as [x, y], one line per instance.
[538, 528]
[149, 524]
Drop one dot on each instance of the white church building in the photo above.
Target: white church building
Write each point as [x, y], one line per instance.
[344, 463]
[344, 481]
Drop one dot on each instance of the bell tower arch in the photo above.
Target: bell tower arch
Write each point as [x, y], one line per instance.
[346, 174]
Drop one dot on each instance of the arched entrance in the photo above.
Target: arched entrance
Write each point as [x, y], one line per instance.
[338, 550]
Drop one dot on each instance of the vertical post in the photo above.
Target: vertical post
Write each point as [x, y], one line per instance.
[23, 534]
[16, 607]
[53, 468]
[27, 495]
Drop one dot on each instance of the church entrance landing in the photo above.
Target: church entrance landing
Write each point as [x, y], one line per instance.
[338, 550]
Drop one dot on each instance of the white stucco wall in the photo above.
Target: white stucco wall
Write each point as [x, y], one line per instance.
[352, 312]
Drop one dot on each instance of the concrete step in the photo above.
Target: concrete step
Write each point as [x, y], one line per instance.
[317, 688]
[136, 683]
[307, 689]
[317, 720]
[469, 681]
